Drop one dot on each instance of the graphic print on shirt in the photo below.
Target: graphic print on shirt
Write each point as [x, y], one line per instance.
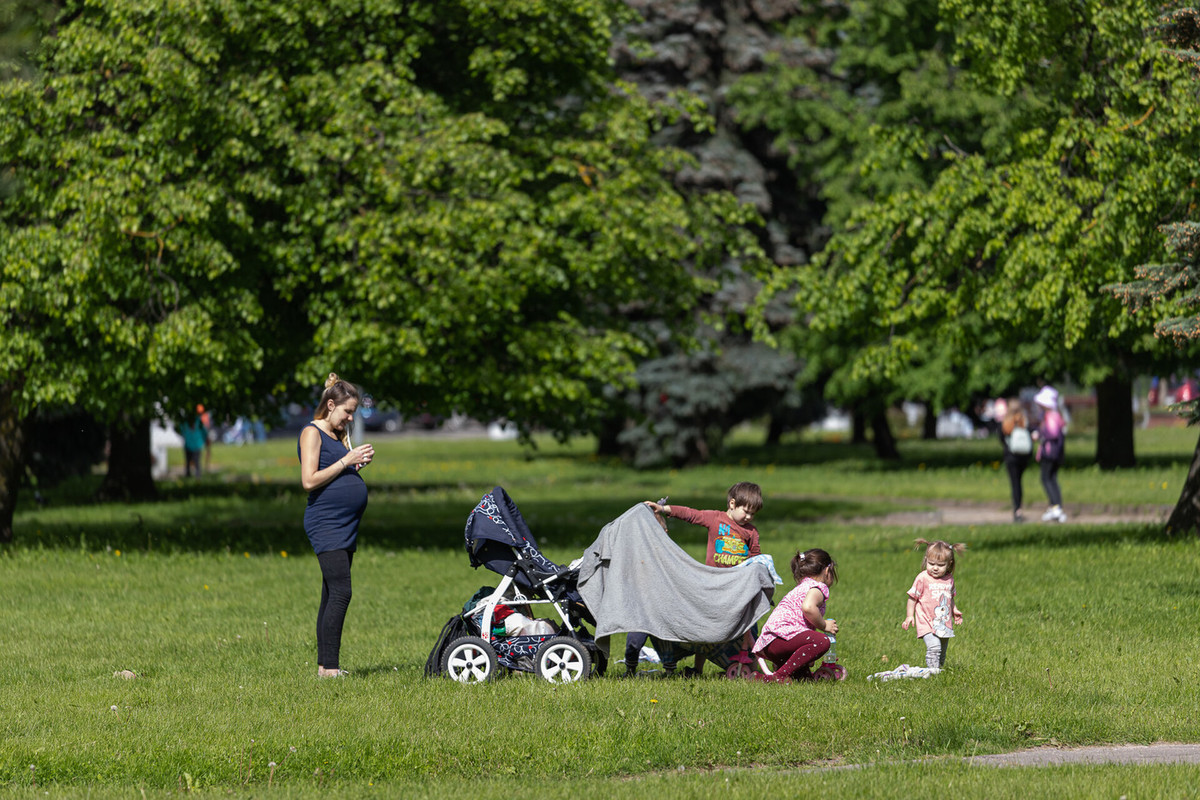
[729, 550]
[941, 618]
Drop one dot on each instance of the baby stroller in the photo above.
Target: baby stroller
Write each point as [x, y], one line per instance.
[475, 644]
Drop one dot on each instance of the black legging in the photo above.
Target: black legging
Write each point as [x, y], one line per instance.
[1050, 481]
[633, 648]
[1016, 468]
[335, 599]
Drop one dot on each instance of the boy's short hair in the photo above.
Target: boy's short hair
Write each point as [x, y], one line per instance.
[747, 495]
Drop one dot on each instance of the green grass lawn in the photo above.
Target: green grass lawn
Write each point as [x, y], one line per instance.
[1072, 635]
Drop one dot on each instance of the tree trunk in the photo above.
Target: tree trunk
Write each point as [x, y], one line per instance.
[858, 428]
[14, 434]
[775, 428]
[129, 463]
[608, 443]
[1185, 518]
[1114, 423]
[881, 436]
[929, 426]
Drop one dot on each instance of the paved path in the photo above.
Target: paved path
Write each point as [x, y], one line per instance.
[1142, 754]
[1161, 753]
[966, 514]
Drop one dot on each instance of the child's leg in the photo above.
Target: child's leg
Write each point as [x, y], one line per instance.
[633, 647]
[935, 652]
[795, 655]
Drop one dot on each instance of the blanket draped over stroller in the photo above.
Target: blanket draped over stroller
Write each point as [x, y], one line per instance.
[635, 578]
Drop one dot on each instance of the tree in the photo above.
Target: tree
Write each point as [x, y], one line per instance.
[1009, 245]
[873, 119]
[1170, 290]
[451, 202]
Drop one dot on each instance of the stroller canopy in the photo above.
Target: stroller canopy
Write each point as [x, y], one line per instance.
[635, 578]
[497, 536]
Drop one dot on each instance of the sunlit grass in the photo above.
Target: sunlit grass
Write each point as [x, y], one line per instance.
[1073, 635]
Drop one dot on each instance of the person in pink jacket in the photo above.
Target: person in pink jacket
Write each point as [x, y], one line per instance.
[1051, 436]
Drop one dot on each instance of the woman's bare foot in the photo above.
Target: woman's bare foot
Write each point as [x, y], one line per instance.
[330, 673]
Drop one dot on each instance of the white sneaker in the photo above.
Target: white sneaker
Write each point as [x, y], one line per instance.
[1054, 514]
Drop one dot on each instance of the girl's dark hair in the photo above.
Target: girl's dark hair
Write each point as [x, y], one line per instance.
[339, 391]
[942, 551]
[747, 495]
[811, 563]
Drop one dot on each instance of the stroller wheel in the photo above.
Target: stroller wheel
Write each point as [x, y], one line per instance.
[469, 659]
[563, 660]
[739, 671]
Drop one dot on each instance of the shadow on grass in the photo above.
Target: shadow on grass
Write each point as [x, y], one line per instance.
[217, 514]
[1044, 537]
[268, 518]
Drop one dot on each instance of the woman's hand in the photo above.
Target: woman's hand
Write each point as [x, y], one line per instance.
[359, 457]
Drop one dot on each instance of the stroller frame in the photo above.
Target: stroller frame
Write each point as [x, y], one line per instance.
[486, 607]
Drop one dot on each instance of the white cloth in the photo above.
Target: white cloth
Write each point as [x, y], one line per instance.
[903, 671]
[516, 624]
[766, 560]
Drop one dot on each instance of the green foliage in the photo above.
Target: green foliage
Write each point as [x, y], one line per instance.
[451, 202]
[1010, 244]
[1170, 288]
[879, 116]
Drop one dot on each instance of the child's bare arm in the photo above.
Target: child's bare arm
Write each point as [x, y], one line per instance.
[910, 615]
[811, 607]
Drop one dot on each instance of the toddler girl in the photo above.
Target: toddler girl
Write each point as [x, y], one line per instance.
[794, 636]
[931, 601]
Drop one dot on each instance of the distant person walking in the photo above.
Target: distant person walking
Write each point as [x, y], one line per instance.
[1018, 447]
[195, 442]
[337, 498]
[1051, 435]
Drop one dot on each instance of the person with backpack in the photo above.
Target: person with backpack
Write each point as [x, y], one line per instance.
[1018, 446]
[1051, 435]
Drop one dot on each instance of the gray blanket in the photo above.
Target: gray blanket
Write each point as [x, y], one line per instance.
[634, 578]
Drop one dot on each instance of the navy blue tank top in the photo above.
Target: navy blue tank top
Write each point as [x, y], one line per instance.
[333, 511]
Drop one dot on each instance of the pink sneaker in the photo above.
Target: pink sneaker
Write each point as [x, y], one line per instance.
[758, 676]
